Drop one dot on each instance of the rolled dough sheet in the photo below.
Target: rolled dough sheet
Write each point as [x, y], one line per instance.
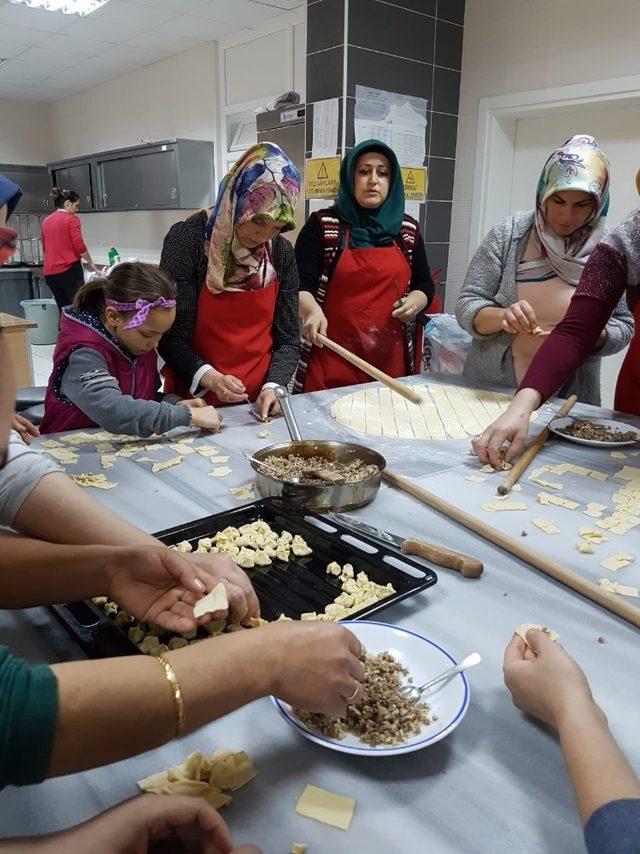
[446, 412]
[326, 807]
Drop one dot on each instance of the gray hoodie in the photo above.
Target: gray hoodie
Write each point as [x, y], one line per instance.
[491, 281]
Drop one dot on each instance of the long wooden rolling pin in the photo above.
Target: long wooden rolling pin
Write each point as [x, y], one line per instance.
[469, 567]
[371, 370]
[523, 463]
[494, 535]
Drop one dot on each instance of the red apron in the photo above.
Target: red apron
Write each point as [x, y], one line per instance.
[628, 386]
[360, 298]
[233, 333]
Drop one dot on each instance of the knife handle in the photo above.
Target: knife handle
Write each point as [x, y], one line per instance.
[469, 567]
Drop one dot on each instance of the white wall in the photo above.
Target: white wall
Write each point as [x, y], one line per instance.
[521, 45]
[25, 133]
[174, 97]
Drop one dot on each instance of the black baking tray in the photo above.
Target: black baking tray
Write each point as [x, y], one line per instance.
[293, 588]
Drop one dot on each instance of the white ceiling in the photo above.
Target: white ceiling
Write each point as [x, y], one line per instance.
[50, 55]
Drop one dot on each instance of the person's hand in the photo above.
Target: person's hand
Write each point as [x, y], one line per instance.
[206, 418]
[519, 317]
[214, 568]
[316, 322]
[156, 584]
[407, 307]
[267, 403]
[512, 427]
[24, 428]
[544, 681]
[317, 665]
[192, 403]
[225, 386]
[147, 824]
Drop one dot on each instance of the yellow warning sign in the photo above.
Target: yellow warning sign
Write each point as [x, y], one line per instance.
[323, 177]
[414, 179]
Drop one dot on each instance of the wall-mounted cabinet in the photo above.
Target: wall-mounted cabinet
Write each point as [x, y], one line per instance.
[160, 176]
[35, 185]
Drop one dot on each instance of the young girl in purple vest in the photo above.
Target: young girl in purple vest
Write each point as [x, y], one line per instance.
[105, 364]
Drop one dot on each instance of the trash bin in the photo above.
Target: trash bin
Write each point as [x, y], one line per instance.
[45, 313]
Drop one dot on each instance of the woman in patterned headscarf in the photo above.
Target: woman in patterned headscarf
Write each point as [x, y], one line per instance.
[236, 331]
[522, 278]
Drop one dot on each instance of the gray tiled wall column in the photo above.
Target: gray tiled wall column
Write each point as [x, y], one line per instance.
[408, 46]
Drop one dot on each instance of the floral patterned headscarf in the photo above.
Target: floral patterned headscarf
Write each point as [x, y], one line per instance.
[264, 185]
[579, 164]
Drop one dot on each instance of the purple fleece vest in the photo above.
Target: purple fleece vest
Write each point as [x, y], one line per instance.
[137, 377]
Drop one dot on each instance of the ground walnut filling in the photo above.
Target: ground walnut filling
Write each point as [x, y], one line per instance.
[380, 715]
[583, 429]
[305, 468]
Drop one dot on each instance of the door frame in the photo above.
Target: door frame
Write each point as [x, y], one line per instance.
[496, 138]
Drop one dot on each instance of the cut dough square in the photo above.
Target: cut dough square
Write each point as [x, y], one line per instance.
[546, 498]
[581, 470]
[487, 469]
[504, 505]
[182, 448]
[216, 600]
[475, 479]
[104, 447]
[594, 509]
[546, 526]
[206, 450]
[617, 561]
[618, 455]
[590, 536]
[223, 471]
[536, 473]
[584, 548]
[326, 807]
[561, 468]
[167, 464]
[630, 473]
[598, 475]
[221, 459]
[51, 443]
[523, 628]
[547, 484]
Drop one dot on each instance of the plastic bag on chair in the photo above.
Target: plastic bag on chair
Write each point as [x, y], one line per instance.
[446, 345]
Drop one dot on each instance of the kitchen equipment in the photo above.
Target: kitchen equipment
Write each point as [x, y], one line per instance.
[523, 463]
[469, 567]
[293, 588]
[414, 692]
[325, 497]
[497, 537]
[371, 370]
[421, 656]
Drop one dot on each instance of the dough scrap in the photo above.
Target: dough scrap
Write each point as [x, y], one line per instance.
[617, 561]
[206, 450]
[107, 461]
[167, 464]
[104, 447]
[590, 536]
[547, 484]
[618, 455]
[97, 481]
[326, 807]
[620, 589]
[584, 548]
[265, 434]
[594, 509]
[219, 459]
[598, 475]
[475, 479]
[51, 443]
[216, 600]
[223, 471]
[556, 500]
[298, 848]
[523, 628]
[546, 526]
[182, 448]
[78, 438]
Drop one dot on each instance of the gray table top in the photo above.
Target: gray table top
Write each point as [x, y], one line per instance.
[498, 783]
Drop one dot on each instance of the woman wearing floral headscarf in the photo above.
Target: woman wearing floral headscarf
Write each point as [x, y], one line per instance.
[236, 331]
[522, 278]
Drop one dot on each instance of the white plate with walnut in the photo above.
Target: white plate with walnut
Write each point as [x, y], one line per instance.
[380, 723]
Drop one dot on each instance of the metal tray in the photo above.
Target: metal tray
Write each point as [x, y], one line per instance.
[293, 588]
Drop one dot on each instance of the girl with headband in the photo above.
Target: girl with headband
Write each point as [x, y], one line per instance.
[105, 362]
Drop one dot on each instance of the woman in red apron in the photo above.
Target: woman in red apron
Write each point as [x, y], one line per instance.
[236, 338]
[364, 276]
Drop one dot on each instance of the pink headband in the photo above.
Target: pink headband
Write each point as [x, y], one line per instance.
[142, 307]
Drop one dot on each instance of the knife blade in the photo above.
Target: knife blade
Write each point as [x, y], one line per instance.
[469, 567]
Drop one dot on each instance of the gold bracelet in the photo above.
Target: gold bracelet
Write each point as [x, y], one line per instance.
[177, 693]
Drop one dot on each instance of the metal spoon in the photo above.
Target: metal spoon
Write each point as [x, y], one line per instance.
[412, 692]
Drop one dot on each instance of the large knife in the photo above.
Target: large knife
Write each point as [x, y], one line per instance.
[470, 567]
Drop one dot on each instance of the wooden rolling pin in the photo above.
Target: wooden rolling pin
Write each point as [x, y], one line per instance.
[469, 567]
[371, 370]
[522, 464]
[566, 576]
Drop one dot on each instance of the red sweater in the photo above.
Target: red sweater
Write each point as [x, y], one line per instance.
[62, 242]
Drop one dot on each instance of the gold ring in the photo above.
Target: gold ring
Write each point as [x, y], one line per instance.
[353, 696]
